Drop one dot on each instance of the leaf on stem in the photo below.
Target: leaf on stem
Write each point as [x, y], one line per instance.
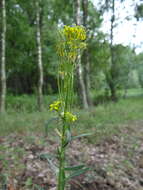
[58, 132]
[46, 156]
[82, 135]
[74, 167]
[68, 137]
[47, 124]
[77, 173]
[49, 158]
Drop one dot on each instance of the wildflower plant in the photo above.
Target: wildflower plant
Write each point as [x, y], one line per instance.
[70, 44]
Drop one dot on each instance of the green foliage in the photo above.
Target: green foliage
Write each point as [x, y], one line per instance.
[139, 11]
[140, 74]
[21, 47]
[121, 112]
[21, 58]
[123, 64]
[139, 68]
[120, 74]
[26, 103]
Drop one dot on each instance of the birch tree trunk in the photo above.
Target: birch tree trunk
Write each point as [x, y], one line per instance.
[86, 55]
[39, 57]
[112, 84]
[80, 80]
[2, 57]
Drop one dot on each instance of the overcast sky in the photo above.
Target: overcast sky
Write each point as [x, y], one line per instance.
[127, 32]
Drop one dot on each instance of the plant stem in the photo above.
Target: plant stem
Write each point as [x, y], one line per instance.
[61, 177]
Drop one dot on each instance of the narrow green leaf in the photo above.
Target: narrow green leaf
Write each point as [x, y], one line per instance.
[74, 167]
[66, 143]
[49, 158]
[58, 151]
[47, 124]
[46, 156]
[77, 173]
[82, 135]
[53, 167]
[68, 133]
[68, 137]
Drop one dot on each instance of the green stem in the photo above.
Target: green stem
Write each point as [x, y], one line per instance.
[61, 177]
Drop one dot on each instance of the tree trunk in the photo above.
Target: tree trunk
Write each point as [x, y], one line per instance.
[112, 84]
[81, 85]
[87, 76]
[39, 58]
[113, 91]
[86, 56]
[2, 57]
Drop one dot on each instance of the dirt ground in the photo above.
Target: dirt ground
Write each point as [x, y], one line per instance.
[116, 163]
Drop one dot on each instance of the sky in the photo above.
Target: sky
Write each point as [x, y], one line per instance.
[127, 32]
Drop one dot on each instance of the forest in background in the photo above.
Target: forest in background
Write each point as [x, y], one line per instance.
[28, 51]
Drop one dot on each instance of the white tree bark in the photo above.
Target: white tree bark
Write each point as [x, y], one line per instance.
[81, 84]
[2, 57]
[85, 56]
[112, 73]
[39, 58]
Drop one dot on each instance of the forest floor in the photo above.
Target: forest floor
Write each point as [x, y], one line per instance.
[116, 161]
[114, 153]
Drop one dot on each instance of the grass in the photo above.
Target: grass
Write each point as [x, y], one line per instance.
[134, 92]
[101, 119]
[105, 119]
[26, 103]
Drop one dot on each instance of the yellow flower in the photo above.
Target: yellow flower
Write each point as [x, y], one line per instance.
[72, 40]
[74, 33]
[55, 106]
[69, 117]
[72, 55]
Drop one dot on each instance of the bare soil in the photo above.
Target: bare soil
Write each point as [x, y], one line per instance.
[116, 163]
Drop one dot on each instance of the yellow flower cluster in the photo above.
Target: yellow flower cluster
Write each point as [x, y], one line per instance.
[69, 117]
[72, 41]
[70, 55]
[55, 106]
[74, 33]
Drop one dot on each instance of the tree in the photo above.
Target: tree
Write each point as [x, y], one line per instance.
[81, 85]
[39, 55]
[139, 16]
[139, 67]
[2, 56]
[110, 76]
[123, 65]
[85, 56]
[139, 11]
